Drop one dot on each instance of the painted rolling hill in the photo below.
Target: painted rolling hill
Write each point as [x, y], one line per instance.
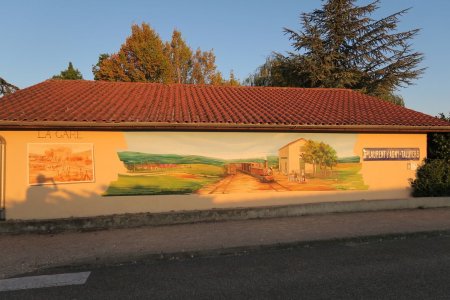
[130, 157]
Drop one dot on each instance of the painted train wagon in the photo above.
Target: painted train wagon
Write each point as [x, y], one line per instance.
[257, 170]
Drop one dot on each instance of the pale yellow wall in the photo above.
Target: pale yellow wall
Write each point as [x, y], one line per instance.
[387, 179]
[24, 201]
[386, 175]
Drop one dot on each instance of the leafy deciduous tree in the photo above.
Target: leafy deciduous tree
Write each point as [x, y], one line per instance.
[140, 58]
[433, 176]
[180, 56]
[204, 70]
[232, 81]
[144, 57]
[439, 143]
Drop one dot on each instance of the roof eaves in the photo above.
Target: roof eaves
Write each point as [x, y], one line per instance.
[153, 126]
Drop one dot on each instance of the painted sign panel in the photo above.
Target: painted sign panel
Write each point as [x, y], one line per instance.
[377, 154]
[220, 163]
[60, 163]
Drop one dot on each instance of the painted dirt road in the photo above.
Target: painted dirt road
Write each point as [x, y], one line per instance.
[344, 177]
[241, 183]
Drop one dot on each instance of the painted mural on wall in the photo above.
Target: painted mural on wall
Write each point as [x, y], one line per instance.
[60, 163]
[159, 163]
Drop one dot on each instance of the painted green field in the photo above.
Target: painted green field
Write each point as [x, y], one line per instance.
[348, 178]
[349, 159]
[195, 169]
[130, 157]
[344, 176]
[183, 179]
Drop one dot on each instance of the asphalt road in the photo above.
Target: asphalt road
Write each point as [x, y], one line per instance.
[412, 267]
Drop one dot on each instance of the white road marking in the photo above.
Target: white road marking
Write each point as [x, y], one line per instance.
[43, 281]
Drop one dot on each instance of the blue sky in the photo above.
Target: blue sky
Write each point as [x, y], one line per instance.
[39, 38]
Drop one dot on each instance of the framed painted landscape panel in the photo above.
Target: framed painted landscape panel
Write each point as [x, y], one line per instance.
[50, 163]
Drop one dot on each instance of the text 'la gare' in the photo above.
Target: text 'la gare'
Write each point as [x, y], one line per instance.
[66, 134]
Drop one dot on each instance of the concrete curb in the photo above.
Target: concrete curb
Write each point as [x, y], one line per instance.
[214, 215]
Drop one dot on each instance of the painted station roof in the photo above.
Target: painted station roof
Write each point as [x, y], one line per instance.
[81, 104]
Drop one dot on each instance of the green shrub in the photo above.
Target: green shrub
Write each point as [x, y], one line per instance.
[439, 142]
[432, 179]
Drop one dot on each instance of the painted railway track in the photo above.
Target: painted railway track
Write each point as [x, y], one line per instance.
[222, 187]
[278, 187]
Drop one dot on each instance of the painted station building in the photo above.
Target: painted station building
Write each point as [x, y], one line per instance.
[88, 148]
[291, 159]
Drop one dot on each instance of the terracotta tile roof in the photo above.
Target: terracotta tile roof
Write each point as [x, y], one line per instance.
[97, 104]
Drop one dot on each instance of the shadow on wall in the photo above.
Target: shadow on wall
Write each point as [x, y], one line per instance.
[47, 200]
[38, 194]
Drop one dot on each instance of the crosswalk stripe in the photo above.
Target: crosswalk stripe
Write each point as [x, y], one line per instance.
[43, 281]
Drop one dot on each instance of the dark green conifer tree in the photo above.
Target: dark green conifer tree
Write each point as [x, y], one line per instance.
[341, 46]
[69, 74]
[6, 87]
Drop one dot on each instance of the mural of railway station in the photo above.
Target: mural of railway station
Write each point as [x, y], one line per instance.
[157, 163]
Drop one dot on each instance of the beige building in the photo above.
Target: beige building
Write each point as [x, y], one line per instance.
[291, 159]
[66, 147]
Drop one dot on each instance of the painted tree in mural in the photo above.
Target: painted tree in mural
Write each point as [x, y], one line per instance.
[341, 46]
[6, 87]
[319, 154]
[328, 155]
[145, 57]
[69, 74]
